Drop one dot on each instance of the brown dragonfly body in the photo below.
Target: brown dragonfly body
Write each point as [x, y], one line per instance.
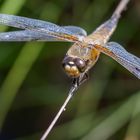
[85, 51]
[90, 48]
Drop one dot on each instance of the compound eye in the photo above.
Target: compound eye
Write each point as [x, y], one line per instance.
[70, 68]
[80, 64]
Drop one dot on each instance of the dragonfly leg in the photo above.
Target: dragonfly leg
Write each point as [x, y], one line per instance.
[84, 77]
[80, 80]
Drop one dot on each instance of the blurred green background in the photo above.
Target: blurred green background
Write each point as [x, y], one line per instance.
[34, 86]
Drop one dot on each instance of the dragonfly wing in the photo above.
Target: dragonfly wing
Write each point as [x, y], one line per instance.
[126, 59]
[76, 30]
[43, 27]
[26, 35]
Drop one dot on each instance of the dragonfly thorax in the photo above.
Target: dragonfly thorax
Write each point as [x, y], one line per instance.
[80, 50]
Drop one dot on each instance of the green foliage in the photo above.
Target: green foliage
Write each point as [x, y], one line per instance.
[33, 85]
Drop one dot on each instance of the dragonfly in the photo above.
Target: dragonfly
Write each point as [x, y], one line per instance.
[84, 52]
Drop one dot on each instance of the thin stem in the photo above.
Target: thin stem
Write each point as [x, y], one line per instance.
[63, 108]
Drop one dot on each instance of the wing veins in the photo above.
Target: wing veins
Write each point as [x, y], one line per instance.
[126, 59]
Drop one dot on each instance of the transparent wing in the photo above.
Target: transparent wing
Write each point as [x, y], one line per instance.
[76, 30]
[126, 59]
[26, 35]
[43, 27]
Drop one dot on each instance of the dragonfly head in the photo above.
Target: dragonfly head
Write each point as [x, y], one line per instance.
[74, 66]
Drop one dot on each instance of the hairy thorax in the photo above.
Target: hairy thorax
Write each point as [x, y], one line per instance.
[85, 52]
